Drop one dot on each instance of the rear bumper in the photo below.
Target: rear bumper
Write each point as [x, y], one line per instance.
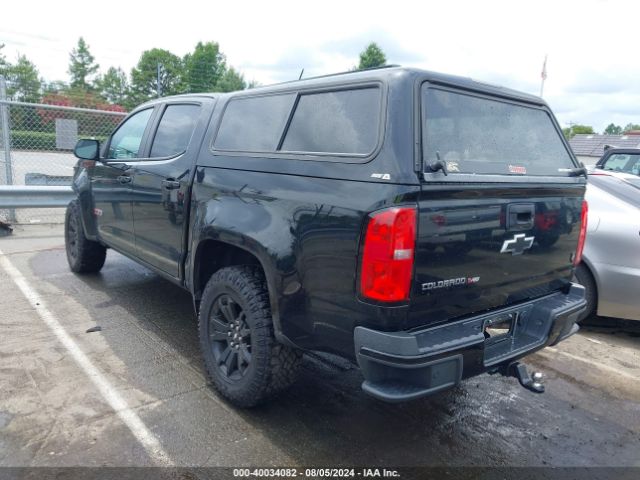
[399, 366]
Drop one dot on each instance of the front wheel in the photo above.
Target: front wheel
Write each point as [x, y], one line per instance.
[83, 255]
[242, 357]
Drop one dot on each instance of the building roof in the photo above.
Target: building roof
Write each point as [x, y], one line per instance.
[593, 145]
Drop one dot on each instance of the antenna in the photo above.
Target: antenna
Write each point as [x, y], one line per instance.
[301, 72]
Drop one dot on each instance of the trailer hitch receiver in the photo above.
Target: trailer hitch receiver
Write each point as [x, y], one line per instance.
[531, 382]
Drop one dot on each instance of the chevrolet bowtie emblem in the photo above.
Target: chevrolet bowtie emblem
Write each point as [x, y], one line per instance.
[517, 245]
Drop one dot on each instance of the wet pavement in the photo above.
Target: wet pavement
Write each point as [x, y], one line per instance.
[52, 413]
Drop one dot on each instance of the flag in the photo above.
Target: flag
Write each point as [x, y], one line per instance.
[543, 74]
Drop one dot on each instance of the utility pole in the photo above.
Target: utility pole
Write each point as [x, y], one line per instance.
[543, 75]
[158, 82]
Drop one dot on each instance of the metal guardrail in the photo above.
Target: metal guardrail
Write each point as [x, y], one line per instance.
[18, 196]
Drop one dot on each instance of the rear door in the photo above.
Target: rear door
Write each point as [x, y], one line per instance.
[502, 226]
[160, 186]
[111, 181]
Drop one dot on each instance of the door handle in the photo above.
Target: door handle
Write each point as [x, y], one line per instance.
[171, 184]
[124, 179]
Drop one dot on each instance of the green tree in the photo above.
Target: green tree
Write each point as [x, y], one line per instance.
[113, 86]
[630, 126]
[158, 73]
[231, 81]
[372, 56]
[573, 130]
[613, 129]
[23, 82]
[204, 68]
[81, 66]
[54, 87]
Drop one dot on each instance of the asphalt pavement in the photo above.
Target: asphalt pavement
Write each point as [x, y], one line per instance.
[134, 393]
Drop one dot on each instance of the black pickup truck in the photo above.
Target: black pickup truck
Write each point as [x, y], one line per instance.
[423, 225]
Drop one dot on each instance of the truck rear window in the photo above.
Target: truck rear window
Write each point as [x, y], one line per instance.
[477, 135]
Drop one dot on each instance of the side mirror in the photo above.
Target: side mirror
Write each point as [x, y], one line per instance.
[87, 149]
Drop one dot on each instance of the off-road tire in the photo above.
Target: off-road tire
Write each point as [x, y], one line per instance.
[83, 255]
[272, 367]
[584, 278]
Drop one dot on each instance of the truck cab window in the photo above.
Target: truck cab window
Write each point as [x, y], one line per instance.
[175, 130]
[125, 142]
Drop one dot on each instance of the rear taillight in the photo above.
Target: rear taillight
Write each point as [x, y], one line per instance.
[387, 259]
[583, 233]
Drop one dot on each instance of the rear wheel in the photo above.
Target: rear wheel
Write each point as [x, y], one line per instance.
[243, 359]
[584, 278]
[83, 255]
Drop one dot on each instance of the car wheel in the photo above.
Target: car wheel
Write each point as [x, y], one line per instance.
[83, 255]
[242, 357]
[584, 278]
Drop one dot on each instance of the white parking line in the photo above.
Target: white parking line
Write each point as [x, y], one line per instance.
[601, 366]
[130, 418]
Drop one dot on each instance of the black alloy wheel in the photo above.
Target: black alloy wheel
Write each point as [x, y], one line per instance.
[230, 337]
[71, 234]
[243, 359]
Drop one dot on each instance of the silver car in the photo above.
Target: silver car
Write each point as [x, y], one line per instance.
[610, 267]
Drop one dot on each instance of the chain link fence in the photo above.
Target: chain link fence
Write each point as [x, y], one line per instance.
[36, 148]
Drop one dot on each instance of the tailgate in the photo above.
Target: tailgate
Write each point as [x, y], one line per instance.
[479, 249]
[499, 208]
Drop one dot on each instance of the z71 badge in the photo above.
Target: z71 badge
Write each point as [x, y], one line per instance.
[451, 282]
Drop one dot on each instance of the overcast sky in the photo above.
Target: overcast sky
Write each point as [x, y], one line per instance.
[592, 45]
